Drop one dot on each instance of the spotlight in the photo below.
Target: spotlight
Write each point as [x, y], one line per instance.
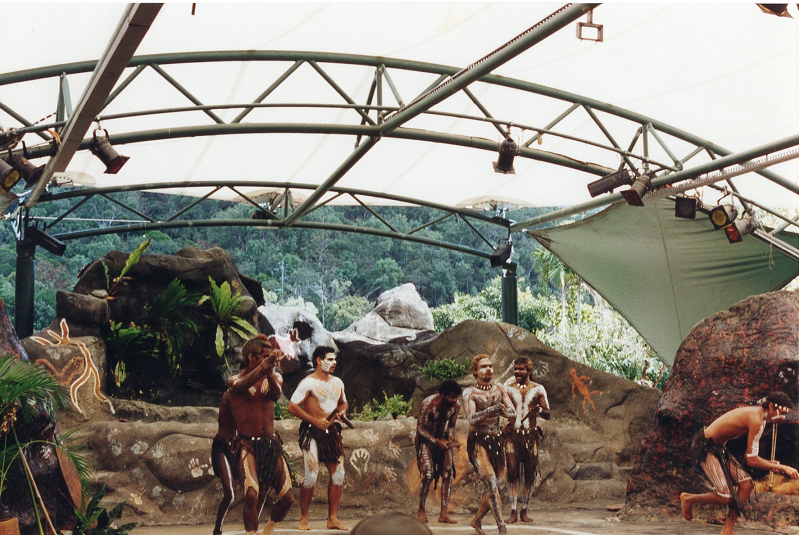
[686, 207]
[722, 216]
[609, 182]
[101, 147]
[50, 244]
[507, 150]
[595, 32]
[28, 172]
[8, 176]
[781, 10]
[502, 254]
[634, 195]
[736, 230]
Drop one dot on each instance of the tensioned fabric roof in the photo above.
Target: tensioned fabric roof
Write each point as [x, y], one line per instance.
[288, 106]
[664, 273]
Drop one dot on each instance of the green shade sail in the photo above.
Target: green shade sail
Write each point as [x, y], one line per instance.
[665, 274]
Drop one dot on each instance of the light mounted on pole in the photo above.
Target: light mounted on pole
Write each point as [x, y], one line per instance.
[101, 147]
[507, 149]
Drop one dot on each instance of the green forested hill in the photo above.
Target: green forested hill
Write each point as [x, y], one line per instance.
[340, 273]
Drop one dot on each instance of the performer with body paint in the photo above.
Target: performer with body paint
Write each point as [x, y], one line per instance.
[484, 404]
[434, 442]
[522, 449]
[710, 454]
[319, 400]
[223, 459]
[259, 450]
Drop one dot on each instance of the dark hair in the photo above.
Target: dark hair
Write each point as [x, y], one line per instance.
[526, 362]
[390, 523]
[320, 352]
[449, 386]
[777, 398]
[254, 346]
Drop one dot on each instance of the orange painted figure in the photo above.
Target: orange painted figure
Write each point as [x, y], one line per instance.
[577, 382]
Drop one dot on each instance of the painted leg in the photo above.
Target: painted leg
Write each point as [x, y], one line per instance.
[444, 514]
[483, 508]
[306, 493]
[524, 506]
[334, 495]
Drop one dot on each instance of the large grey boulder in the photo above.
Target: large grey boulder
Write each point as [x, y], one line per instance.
[398, 313]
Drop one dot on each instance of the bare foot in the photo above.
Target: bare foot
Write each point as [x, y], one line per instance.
[444, 518]
[269, 528]
[502, 529]
[686, 507]
[524, 516]
[513, 518]
[333, 523]
[304, 525]
[422, 517]
[476, 524]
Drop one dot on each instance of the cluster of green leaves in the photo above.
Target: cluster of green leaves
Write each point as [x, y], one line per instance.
[167, 315]
[97, 520]
[395, 405]
[224, 304]
[446, 368]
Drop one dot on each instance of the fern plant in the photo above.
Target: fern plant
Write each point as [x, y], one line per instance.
[166, 314]
[224, 304]
[97, 520]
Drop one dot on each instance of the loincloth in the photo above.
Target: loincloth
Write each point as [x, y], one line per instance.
[438, 458]
[267, 452]
[330, 448]
[526, 446]
[494, 444]
[726, 485]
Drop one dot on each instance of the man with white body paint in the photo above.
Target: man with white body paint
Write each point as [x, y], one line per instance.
[319, 400]
[485, 403]
[522, 449]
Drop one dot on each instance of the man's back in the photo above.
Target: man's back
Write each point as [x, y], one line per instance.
[735, 423]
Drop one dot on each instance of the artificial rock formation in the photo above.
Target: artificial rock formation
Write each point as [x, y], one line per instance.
[730, 359]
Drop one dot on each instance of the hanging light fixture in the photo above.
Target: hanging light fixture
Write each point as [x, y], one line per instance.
[507, 149]
[101, 147]
[638, 189]
[47, 242]
[686, 206]
[27, 171]
[501, 254]
[740, 228]
[8, 176]
[722, 216]
[608, 183]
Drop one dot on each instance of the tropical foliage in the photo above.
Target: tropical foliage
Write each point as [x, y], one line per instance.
[224, 304]
[446, 368]
[97, 520]
[395, 406]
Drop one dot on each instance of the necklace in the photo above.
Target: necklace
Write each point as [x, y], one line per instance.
[483, 387]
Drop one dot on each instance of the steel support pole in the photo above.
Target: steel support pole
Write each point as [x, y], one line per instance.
[23, 296]
[509, 293]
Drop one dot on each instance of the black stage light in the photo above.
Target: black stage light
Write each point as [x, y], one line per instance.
[50, 244]
[722, 216]
[686, 207]
[608, 183]
[781, 10]
[101, 147]
[28, 172]
[502, 254]
[507, 150]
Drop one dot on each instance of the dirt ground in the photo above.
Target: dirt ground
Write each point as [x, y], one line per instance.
[586, 519]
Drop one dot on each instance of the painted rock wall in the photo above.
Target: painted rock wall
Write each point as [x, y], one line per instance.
[729, 360]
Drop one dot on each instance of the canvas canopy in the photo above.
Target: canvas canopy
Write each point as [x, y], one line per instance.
[665, 274]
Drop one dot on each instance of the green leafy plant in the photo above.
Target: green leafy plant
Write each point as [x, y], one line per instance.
[97, 520]
[224, 304]
[24, 389]
[446, 368]
[133, 259]
[166, 314]
[395, 405]
[128, 343]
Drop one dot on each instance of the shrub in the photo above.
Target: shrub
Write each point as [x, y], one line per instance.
[446, 368]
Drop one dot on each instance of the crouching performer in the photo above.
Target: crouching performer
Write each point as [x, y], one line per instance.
[434, 442]
[522, 453]
[732, 483]
[484, 404]
[319, 401]
[259, 450]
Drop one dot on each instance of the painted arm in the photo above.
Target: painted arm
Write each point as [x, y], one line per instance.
[510, 411]
[296, 409]
[422, 422]
[475, 417]
[451, 425]
[239, 383]
[544, 405]
[755, 461]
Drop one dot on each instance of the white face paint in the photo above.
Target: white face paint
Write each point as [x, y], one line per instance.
[328, 363]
